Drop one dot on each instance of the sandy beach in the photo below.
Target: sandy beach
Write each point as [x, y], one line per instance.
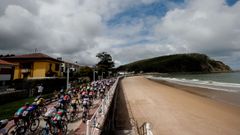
[172, 111]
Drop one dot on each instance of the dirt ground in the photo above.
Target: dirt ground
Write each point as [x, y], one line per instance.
[172, 111]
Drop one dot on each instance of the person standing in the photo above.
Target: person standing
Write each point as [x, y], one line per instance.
[40, 89]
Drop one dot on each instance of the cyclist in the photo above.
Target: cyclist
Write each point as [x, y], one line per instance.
[21, 109]
[85, 102]
[39, 101]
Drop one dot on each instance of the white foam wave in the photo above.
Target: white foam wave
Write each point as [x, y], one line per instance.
[230, 87]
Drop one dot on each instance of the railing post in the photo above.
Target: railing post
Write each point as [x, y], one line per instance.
[103, 109]
[88, 128]
[148, 128]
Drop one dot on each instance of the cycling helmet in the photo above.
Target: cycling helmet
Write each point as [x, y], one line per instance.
[70, 92]
[37, 98]
[62, 91]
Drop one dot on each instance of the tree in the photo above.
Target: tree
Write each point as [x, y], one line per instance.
[85, 72]
[105, 64]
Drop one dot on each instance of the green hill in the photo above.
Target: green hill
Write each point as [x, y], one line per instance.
[177, 63]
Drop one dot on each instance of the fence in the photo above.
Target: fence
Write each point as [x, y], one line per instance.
[145, 129]
[95, 124]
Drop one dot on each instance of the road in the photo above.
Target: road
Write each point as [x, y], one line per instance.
[172, 111]
[76, 127]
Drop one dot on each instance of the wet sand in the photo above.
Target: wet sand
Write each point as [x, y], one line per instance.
[232, 98]
[173, 111]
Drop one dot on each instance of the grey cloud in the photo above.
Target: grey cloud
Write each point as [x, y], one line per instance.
[76, 29]
[30, 5]
[203, 26]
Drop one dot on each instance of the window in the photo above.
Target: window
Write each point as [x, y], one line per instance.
[26, 65]
[5, 70]
[57, 67]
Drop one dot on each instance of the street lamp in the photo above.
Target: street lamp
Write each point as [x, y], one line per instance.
[68, 85]
[94, 76]
[102, 74]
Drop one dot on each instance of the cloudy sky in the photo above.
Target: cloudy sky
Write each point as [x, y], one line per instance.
[128, 29]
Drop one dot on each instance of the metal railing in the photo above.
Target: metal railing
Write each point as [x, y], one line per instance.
[145, 129]
[96, 122]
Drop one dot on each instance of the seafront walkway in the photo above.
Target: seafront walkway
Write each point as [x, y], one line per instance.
[76, 127]
[172, 111]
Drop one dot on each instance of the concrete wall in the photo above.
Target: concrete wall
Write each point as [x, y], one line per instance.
[118, 120]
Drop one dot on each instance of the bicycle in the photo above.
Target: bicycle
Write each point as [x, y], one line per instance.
[73, 114]
[59, 125]
[84, 115]
[3, 124]
[47, 129]
[28, 120]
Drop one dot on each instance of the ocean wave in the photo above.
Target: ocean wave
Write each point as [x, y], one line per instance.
[222, 86]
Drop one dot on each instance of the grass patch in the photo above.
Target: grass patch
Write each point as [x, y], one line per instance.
[7, 110]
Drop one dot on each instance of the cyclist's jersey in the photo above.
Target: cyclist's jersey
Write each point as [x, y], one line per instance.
[90, 93]
[74, 101]
[56, 117]
[50, 112]
[85, 101]
[32, 108]
[21, 110]
[40, 101]
[61, 112]
[74, 104]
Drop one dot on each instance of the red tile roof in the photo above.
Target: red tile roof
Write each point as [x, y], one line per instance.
[3, 62]
[32, 56]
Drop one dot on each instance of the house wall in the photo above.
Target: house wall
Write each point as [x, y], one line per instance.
[17, 72]
[40, 69]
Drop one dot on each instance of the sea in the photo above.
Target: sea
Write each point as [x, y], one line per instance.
[216, 81]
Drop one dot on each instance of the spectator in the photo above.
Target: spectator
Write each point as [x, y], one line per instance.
[40, 89]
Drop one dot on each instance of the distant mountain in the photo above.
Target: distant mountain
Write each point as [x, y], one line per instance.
[177, 63]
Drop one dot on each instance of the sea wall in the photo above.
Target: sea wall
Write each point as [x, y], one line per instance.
[118, 119]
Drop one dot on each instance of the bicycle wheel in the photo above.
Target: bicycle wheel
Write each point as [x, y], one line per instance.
[34, 124]
[71, 119]
[54, 130]
[12, 130]
[16, 130]
[44, 131]
[43, 110]
[65, 127]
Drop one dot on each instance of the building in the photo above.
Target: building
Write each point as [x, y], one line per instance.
[35, 65]
[6, 72]
[73, 67]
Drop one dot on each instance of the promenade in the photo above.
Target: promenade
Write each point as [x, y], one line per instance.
[172, 111]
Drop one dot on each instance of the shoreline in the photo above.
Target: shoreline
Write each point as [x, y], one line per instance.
[232, 98]
[172, 111]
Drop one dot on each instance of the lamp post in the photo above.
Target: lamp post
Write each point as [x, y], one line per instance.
[67, 66]
[94, 74]
[102, 74]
